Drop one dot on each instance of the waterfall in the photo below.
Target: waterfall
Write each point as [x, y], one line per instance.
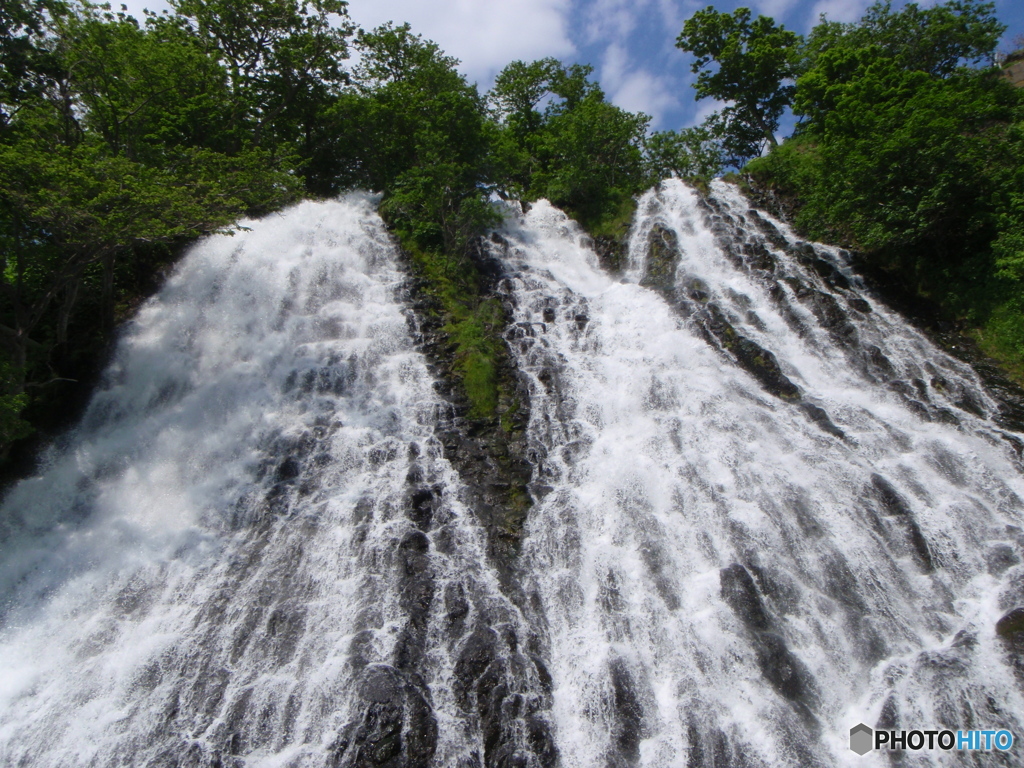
[771, 510]
[765, 509]
[252, 551]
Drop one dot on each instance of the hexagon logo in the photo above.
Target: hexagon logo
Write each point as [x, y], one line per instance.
[861, 737]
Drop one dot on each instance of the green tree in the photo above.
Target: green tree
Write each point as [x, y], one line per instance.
[26, 64]
[938, 41]
[112, 156]
[581, 152]
[425, 140]
[749, 65]
[694, 154]
[909, 149]
[142, 89]
[283, 58]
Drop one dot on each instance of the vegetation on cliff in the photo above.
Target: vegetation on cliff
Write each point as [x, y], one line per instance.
[121, 142]
[908, 147]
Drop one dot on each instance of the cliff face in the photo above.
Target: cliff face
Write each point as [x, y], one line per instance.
[1013, 68]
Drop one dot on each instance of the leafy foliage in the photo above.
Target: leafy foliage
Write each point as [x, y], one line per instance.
[109, 151]
[910, 150]
[581, 152]
[695, 154]
[755, 62]
[120, 141]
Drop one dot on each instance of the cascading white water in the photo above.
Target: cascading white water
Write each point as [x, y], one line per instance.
[766, 509]
[235, 557]
[734, 577]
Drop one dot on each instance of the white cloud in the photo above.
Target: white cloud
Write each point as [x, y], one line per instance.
[674, 13]
[484, 35]
[635, 90]
[776, 8]
[704, 110]
[135, 7]
[608, 20]
[838, 10]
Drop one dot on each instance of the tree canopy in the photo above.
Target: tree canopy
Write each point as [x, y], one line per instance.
[749, 64]
[908, 148]
[122, 140]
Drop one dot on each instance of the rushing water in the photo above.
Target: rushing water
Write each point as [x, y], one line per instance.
[766, 509]
[229, 559]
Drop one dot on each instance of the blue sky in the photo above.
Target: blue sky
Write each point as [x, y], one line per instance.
[630, 43]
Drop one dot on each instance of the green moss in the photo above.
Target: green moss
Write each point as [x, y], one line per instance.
[472, 324]
[478, 345]
[508, 424]
[612, 223]
[1001, 337]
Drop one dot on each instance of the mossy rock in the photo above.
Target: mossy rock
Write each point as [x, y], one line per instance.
[1011, 627]
[749, 355]
[662, 257]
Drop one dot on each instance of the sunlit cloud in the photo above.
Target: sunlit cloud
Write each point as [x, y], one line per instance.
[837, 10]
[776, 8]
[635, 89]
[606, 20]
[484, 35]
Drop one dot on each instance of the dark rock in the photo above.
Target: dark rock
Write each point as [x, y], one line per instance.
[288, 470]
[891, 499]
[821, 418]
[422, 502]
[696, 290]
[360, 649]
[894, 504]
[397, 728]
[456, 605]
[757, 256]
[477, 654]
[662, 255]
[284, 629]
[540, 741]
[740, 593]
[1000, 558]
[829, 312]
[1010, 631]
[780, 667]
[611, 252]
[878, 363]
[753, 358]
[1011, 626]
[489, 453]
[832, 276]
[629, 728]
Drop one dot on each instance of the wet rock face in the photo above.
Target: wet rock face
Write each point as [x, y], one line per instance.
[691, 299]
[490, 454]
[630, 724]
[740, 593]
[492, 679]
[1010, 631]
[749, 355]
[662, 256]
[896, 507]
[780, 667]
[611, 252]
[397, 728]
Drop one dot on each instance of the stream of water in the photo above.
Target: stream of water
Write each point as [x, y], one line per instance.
[766, 509]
